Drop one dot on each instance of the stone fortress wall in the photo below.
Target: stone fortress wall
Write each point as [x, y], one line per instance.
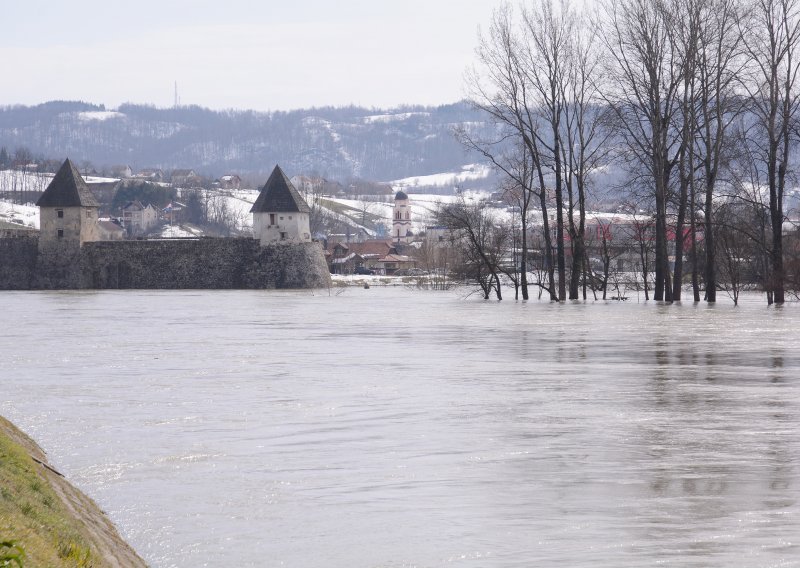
[67, 253]
[205, 263]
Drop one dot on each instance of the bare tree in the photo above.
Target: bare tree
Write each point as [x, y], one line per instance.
[481, 240]
[585, 141]
[771, 39]
[735, 249]
[747, 182]
[719, 64]
[548, 33]
[312, 193]
[502, 88]
[646, 80]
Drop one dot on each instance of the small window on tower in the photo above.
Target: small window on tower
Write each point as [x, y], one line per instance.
[60, 213]
[88, 213]
[60, 233]
[272, 219]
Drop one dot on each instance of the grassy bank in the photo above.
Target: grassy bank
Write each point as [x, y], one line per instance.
[45, 521]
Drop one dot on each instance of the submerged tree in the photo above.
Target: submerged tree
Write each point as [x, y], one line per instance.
[503, 88]
[482, 242]
[645, 96]
[772, 40]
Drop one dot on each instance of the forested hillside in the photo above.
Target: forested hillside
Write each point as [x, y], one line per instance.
[338, 143]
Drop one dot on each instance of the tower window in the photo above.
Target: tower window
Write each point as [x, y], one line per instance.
[60, 232]
[60, 213]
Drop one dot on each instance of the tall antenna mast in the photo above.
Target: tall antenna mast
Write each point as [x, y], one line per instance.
[176, 94]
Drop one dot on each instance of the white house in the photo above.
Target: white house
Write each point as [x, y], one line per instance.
[138, 218]
[280, 214]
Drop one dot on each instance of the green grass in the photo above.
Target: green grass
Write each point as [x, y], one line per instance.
[35, 528]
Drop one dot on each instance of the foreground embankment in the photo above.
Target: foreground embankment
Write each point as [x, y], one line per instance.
[45, 521]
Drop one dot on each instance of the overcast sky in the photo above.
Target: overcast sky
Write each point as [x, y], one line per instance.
[239, 54]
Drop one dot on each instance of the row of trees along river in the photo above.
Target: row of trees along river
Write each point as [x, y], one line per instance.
[696, 100]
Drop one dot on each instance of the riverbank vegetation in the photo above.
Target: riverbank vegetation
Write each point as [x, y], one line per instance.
[46, 522]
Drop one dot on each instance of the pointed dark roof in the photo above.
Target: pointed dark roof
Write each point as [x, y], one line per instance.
[67, 189]
[279, 195]
[400, 195]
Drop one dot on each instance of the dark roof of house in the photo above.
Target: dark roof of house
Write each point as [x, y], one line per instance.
[371, 247]
[279, 195]
[68, 189]
[110, 226]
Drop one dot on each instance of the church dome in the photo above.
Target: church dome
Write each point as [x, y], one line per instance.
[400, 195]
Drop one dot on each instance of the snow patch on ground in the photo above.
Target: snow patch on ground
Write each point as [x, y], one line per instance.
[97, 179]
[392, 117]
[99, 115]
[179, 231]
[27, 214]
[468, 172]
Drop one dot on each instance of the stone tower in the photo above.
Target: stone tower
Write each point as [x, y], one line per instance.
[280, 214]
[67, 210]
[401, 223]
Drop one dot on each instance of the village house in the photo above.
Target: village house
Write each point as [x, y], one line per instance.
[154, 175]
[381, 256]
[231, 181]
[343, 261]
[108, 230]
[280, 214]
[122, 171]
[183, 178]
[358, 235]
[138, 218]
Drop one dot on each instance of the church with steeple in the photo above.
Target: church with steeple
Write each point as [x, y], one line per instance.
[401, 220]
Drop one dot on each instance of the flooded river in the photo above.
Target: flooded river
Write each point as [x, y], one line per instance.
[402, 428]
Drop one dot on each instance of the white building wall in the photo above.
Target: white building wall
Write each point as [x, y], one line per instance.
[401, 222]
[271, 228]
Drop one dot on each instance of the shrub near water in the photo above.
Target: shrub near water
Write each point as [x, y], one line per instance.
[35, 529]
